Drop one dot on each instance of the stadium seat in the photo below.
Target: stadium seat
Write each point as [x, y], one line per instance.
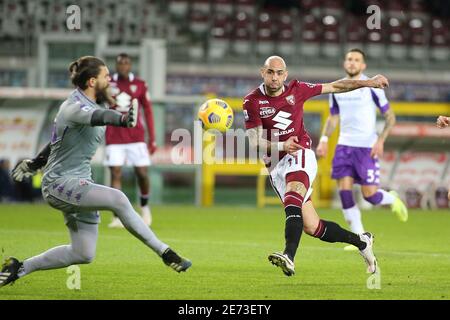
[265, 34]
[418, 41]
[242, 33]
[178, 8]
[310, 33]
[198, 22]
[440, 40]
[397, 38]
[419, 172]
[220, 35]
[355, 32]
[331, 43]
[387, 165]
[224, 7]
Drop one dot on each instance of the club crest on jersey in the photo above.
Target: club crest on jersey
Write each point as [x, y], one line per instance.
[246, 117]
[290, 99]
[133, 88]
[266, 112]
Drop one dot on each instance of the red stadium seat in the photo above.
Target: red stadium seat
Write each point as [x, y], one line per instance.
[440, 40]
[331, 41]
[310, 32]
[397, 39]
[355, 32]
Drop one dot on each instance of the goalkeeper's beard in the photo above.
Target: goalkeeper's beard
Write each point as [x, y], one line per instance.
[102, 95]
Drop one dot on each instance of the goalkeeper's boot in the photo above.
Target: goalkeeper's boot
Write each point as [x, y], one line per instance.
[367, 252]
[173, 260]
[9, 271]
[399, 208]
[284, 262]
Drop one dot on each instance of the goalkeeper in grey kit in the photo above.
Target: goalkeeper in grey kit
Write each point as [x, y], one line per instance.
[67, 185]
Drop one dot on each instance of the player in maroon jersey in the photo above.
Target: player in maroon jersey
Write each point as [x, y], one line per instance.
[127, 146]
[273, 115]
[443, 122]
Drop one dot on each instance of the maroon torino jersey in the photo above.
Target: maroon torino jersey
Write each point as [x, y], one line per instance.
[123, 91]
[281, 116]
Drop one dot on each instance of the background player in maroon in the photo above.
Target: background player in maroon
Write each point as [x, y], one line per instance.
[443, 122]
[278, 108]
[127, 146]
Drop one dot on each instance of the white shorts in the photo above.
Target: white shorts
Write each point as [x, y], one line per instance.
[304, 161]
[129, 154]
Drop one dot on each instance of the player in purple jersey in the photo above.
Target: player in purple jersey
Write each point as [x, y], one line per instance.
[359, 147]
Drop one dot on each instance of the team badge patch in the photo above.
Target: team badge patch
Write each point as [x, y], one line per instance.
[290, 99]
[83, 182]
[133, 88]
[246, 117]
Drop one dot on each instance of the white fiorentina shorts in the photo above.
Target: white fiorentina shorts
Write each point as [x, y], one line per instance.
[304, 161]
[129, 154]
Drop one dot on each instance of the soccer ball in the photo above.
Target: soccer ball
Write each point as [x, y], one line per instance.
[216, 114]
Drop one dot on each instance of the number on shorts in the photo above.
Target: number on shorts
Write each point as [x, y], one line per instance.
[371, 175]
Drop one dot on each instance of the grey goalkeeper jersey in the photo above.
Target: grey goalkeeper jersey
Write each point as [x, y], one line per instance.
[74, 141]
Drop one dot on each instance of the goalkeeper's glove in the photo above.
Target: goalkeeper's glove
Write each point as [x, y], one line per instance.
[23, 170]
[130, 119]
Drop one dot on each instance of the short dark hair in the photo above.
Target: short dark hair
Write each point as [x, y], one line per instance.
[357, 50]
[122, 55]
[84, 68]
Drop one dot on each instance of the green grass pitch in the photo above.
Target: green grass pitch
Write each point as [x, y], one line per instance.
[228, 246]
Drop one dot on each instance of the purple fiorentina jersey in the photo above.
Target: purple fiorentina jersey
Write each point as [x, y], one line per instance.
[357, 113]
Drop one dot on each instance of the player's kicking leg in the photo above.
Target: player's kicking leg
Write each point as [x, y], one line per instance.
[377, 197]
[329, 231]
[102, 197]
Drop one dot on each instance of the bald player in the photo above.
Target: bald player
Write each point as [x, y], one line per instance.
[273, 115]
[356, 158]
[67, 185]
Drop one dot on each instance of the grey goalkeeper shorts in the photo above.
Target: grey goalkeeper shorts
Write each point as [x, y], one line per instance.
[66, 194]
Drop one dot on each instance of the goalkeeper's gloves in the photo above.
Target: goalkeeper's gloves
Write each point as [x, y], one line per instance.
[129, 120]
[23, 170]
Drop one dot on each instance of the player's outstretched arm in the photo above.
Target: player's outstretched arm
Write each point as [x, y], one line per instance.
[28, 167]
[339, 86]
[257, 141]
[378, 148]
[103, 117]
[330, 126]
[442, 122]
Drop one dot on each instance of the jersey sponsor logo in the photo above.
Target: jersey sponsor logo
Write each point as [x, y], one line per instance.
[246, 117]
[263, 102]
[83, 182]
[282, 120]
[123, 101]
[266, 112]
[133, 88]
[290, 99]
[86, 108]
[282, 133]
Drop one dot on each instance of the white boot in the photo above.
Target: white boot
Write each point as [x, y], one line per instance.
[146, 215]
[115, 223]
